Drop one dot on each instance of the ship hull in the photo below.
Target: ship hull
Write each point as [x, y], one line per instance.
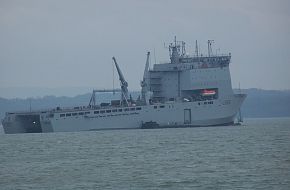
[182, 114]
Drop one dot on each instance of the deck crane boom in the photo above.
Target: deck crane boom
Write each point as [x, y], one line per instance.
[144, 82]
[123, 83]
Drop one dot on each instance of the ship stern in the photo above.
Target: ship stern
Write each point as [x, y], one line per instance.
[21, 123]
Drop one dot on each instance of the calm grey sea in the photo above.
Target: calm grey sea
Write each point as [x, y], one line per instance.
[255, 156]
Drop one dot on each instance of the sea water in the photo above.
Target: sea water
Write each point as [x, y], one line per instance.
[253, 156]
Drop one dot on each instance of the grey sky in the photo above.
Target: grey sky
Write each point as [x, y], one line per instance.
[55, 44]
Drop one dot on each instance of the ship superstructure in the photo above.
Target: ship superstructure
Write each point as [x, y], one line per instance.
[187, 91]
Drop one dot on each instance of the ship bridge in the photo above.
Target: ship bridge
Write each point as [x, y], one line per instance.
[189, 76]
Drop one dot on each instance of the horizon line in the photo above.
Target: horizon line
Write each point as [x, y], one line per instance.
[73, 95]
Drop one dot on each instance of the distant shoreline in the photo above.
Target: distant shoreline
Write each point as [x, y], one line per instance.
[10, 93]
[258, 104]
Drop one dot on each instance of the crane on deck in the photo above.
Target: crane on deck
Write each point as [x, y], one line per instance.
[123, 84]
[144, 82]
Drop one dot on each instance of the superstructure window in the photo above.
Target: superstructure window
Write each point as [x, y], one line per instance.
[87, 112]
[81, 113]
[68, 114]
[96, 112]
[138, 108]
[108, 111]
[162, 106]
[120, 110]
[126, 109]
[62, 115]
[132, 109]
[102, 111]
[115, 110]
[74, 114]
[155, 107]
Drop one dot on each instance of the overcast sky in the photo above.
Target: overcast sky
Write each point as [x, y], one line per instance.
[68, 44]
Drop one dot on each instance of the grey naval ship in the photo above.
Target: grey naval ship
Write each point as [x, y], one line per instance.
[187, 91]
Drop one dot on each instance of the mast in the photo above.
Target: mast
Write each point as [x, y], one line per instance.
[174, 51]
[209, 43]
[196, 49]
[123, 83]
[183, 52]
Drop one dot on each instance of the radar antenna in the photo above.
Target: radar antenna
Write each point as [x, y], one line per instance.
[176, 50]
